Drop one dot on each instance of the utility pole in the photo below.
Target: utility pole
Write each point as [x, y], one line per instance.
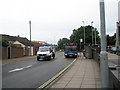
[103, 53]
[30, 36]
[84, 32]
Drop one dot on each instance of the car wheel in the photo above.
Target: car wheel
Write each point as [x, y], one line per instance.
[50, 58]
[66, 56]
[37, 59]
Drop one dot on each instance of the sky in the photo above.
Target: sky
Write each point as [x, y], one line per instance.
[54, 19]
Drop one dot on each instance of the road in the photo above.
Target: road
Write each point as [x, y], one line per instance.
[113, 58]
[32, 73]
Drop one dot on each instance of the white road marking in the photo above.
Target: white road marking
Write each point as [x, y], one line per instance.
[19, 69]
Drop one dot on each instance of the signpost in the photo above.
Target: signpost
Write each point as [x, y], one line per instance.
[81, 40]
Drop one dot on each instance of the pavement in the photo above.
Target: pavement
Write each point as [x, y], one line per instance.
[84, 73]
[8, 61]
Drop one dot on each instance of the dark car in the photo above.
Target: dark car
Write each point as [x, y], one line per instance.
[109, 49]
[118, 50]
[113, 50]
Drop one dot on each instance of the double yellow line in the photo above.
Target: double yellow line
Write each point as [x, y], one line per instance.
[56, 76]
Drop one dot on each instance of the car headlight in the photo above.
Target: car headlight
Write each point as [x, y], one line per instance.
[48, 54]
[75, 54]
[65, 54]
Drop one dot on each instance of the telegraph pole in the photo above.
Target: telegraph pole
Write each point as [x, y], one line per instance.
[30, 36]
[103, 53]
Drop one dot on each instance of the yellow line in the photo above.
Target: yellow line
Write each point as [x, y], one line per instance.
[53, 78]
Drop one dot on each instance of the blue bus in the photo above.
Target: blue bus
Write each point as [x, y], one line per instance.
[70, 50]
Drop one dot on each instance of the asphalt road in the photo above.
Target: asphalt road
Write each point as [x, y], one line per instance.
[32, 73]
[114, 61]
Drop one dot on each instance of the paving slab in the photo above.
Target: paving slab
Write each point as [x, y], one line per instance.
[85, 73]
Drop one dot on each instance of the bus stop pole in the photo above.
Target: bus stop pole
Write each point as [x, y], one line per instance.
[80, 47]
[103, 53]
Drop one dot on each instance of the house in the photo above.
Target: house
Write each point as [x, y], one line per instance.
[18, 47]
[36, 45]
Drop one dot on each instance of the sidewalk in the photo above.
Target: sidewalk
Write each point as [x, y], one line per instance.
[7, 61]
[85, 73]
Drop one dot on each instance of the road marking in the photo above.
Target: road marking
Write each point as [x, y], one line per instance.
[19, 69]
[54, 77]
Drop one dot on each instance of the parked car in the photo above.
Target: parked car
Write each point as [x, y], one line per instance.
[45, 53]
[118, 50]
[109, 49]
[113, 50]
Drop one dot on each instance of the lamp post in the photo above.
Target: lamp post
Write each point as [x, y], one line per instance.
[84, 32]
[92, 31]
[30, 36]
[95, 35]
[103, 54]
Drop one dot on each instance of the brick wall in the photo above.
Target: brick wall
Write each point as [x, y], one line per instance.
[4, 53]
[27, 50]
[16, 52]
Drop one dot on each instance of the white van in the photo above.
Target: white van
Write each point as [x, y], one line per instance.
[45, 53]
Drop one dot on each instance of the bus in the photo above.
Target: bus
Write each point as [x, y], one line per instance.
[70, 50]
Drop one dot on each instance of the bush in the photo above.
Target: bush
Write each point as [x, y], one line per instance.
[5, 42]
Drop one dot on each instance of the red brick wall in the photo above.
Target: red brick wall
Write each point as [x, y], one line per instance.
[34, 51]
[16, 52]
[4, 53]
[26, 51]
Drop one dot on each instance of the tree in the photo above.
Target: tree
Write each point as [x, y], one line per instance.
[5, 42]
[79, 34]
[111, 39]
[62, 41]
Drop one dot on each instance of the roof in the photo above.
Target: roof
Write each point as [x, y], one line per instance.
[37, 44]
[22, 40]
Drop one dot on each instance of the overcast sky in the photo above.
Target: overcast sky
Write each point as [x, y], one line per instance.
[53, 19]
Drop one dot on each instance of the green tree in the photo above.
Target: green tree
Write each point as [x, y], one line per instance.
[5, 42]
[79, 34]
[61, 42]
[111, 39]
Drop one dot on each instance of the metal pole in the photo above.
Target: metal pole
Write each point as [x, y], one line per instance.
[95, 35]
[84, 32]
[30, 36]
[103, 53]
[92, 31]
[80, 47]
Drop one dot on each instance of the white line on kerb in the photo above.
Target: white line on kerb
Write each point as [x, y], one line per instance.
[19, 69]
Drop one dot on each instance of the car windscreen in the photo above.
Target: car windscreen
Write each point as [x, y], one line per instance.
[44, 49]
[70, 48]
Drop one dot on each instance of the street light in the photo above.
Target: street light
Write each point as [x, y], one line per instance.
[103, 54]
[92, 31]
[30, 36]
[95, 35]
[84, 32]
